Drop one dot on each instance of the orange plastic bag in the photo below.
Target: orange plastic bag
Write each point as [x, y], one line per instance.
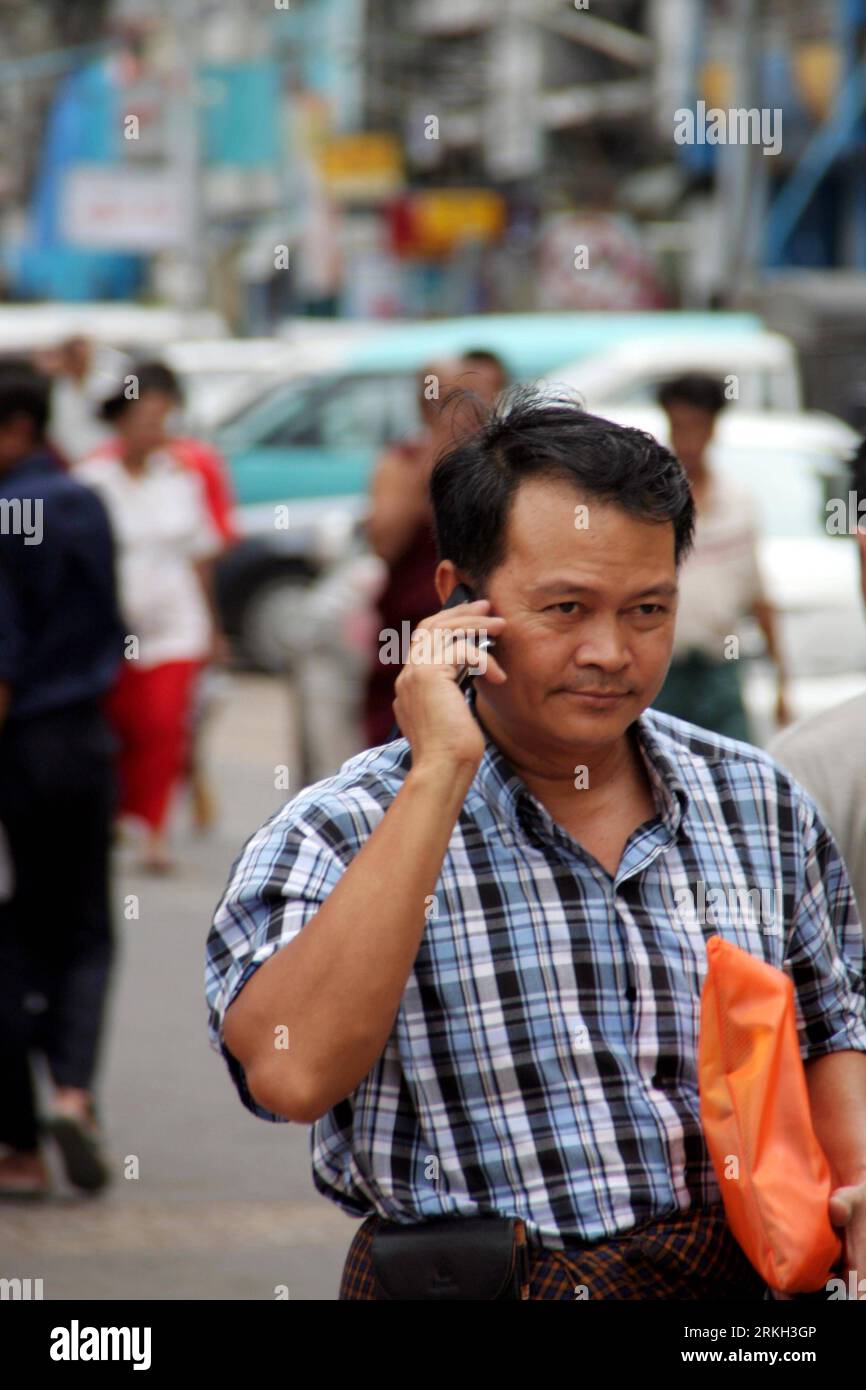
[754, 1101]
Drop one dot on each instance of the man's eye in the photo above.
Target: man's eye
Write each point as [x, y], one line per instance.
[567, 607]
[647, 609]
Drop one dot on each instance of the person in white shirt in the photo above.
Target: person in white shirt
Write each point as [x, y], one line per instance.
[827, 751]
[165, 539]
[85, 374]
[721, 581]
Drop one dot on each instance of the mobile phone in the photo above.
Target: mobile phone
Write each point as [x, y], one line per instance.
[462, 593]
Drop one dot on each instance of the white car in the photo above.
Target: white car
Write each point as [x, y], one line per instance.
[761, 367]
[222, 376]
[793, 465]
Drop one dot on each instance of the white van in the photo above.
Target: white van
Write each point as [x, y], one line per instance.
[760, 369]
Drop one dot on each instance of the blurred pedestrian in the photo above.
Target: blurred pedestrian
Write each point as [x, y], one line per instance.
[60, 648]
[207, 462]
[721, 580]
[83, 374]
[827, 752]
[166, 540]
[485, 373]
[400, 531]
[400, 519]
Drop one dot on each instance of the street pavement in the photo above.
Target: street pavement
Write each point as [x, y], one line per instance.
[223, 1206]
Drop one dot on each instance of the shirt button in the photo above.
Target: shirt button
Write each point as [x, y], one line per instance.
[631, 994]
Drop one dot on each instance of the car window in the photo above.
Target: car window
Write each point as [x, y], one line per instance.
[219, 396]
[276, 408]
[787, 487]
[362, 412]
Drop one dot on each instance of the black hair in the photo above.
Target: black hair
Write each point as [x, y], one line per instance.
[695, 389]
[24, 390]
[149, 376]
[488, 358]
[529, 434]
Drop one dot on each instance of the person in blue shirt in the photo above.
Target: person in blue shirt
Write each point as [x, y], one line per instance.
[474, 957]
[61, 642]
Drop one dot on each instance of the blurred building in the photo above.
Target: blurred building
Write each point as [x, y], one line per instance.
[376, 158]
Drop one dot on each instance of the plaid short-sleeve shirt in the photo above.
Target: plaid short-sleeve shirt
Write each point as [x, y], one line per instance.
[543, 1061]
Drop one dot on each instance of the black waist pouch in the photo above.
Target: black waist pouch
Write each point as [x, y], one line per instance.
[468, 1258]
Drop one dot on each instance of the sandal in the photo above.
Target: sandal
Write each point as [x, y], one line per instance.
[80, 1146]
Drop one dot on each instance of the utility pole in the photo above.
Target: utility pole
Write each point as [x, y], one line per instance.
[737, 185]
[186, 146]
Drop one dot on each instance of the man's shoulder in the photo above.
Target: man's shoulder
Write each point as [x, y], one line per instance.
[349, 803]
[700, 755]
[77, 506]
[694, 744]
[62, 496]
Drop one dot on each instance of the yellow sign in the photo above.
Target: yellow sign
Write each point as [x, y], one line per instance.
[367, 166]
[444, 216]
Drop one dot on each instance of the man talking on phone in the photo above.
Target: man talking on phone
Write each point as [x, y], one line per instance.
[472, 938]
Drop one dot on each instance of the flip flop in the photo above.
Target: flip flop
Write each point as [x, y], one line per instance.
[81, 1150]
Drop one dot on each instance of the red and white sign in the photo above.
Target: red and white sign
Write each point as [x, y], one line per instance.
[115, 208]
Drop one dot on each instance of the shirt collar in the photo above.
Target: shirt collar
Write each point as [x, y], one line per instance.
[510, 799]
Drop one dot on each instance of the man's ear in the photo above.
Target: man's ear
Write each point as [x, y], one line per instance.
[446, 580]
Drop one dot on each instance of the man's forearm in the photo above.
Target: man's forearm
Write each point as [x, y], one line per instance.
[336, 987]
[837, 1092]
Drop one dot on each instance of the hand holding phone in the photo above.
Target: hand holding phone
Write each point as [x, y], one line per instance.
[430, 705]
[463, 594]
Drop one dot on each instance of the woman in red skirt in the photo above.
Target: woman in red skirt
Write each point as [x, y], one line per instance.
[165, 543]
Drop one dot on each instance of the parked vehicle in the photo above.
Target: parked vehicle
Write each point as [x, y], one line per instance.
[223, 375]
[760, 369]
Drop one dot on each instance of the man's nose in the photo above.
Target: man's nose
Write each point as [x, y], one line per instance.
[603, 644]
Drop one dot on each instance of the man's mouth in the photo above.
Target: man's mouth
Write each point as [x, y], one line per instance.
[595, 694]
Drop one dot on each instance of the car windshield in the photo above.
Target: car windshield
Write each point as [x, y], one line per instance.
[272, 405]
[787, 487]
[221, 396]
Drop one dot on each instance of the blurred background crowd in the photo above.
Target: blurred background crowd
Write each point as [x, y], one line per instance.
[246, 251]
